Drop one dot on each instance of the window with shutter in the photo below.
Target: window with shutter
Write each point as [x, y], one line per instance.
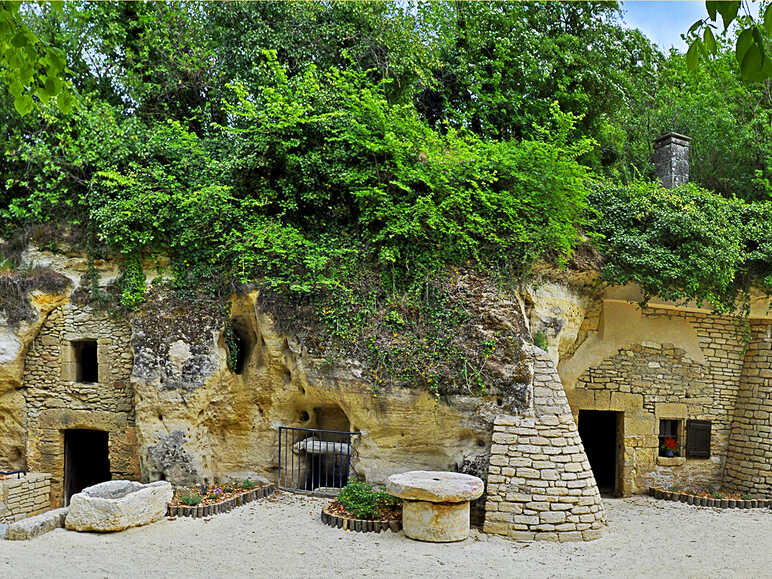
[697, 439]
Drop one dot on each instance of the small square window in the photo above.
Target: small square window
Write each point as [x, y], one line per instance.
[86, 361]
[669, 438]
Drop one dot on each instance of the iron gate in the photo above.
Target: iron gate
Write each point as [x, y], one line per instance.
[311, 458]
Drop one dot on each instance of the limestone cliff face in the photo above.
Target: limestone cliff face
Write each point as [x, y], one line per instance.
[197, 419]
[194, 418]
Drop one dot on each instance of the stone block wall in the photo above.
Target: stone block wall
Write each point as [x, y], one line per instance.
[749, 462]
[540, 486]
[56, 402]
[24, 497]
[653, 380]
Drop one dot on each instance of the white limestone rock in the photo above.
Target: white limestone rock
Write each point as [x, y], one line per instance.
[36, 526]
[435, 486]
[117, 505]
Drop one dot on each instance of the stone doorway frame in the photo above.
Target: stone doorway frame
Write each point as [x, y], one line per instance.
[619, 446]
[635, 428]
[45, 444]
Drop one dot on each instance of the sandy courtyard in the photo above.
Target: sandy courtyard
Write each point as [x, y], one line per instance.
[283, 537]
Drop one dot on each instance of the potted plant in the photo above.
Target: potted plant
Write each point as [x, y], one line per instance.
[669, 447]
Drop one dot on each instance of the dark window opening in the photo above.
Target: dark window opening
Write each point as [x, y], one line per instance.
[86, 362]
[669, 438]
[86, 460]
[243, 342]
[241, 354]
[697, 439]
[598, 431]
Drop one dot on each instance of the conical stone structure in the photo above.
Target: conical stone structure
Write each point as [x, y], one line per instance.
[540, 485]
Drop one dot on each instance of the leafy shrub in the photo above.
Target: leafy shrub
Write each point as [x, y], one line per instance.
[363, 501]
[684, 243]
[190, 498]
[248, 484]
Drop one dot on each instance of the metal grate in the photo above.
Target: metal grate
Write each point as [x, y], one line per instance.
[311, 459]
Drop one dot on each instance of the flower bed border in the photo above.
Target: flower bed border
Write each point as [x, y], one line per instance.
[199, 511]
[359, 525]
[678, 496]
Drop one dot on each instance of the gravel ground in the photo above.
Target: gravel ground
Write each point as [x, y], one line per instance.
[283, 537]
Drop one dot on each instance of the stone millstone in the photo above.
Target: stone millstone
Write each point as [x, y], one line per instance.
[435, 486]
[118, 505]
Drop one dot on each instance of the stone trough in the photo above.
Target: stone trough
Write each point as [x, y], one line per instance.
[117, 505]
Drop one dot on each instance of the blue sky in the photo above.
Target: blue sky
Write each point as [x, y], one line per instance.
[663, 22]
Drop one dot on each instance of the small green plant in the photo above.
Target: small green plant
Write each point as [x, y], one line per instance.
[717, 494]
[190, 498]
[540, 340]
[363, 501]
[248, 484]
[228, 489]
[746, 497]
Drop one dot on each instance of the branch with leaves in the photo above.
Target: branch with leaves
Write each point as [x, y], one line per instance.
[751, 48]
[32, 70]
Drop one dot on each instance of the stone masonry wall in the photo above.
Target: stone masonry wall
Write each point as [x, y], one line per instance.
[56, 402]
[24, 497]
[664, 382]
[540, 486]
[749, 463]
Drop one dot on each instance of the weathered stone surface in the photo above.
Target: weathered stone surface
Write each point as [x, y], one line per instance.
[227, 423]
[435, 486]
[37, 525]
[118, 505]
[14, 343]
[435, 522]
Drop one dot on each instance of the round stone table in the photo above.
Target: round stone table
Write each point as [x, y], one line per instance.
[436, 504]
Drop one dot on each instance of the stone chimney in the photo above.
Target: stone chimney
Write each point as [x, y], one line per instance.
[671, 159]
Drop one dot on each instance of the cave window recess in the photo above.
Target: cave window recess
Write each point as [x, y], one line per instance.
[669, 432]
[240, 340]
[85, 355]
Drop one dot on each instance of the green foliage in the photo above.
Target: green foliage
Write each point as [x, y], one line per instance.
[684, 243]
[233, 347]
[132, 283]
[731, 148]
[752, 49]
[190, 498]
[421, 200]
[540, 341]
[360, 163]
[30, 68]
[363, 501]
[248, 484]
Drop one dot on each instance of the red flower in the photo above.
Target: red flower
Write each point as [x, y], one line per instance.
[670, 443]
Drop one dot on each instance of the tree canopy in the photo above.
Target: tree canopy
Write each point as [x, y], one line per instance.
[349, 154]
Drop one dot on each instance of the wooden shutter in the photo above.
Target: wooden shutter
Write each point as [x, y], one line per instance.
[698, 439]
